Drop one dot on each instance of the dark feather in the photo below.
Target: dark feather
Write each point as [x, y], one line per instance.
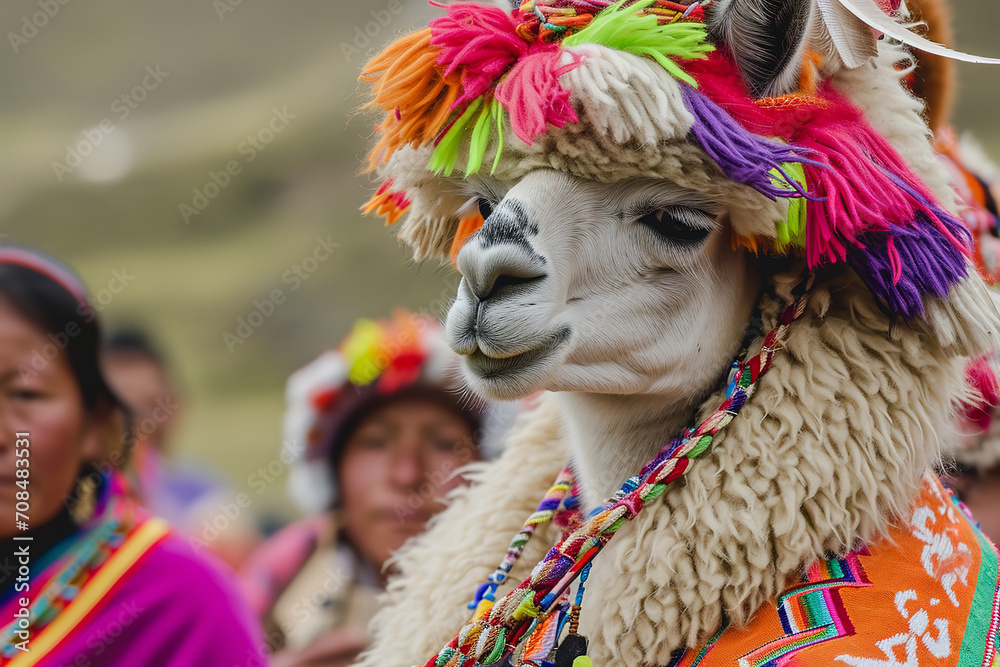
[766, 38]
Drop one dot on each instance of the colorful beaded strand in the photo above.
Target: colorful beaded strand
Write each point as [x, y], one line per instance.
[499, 628]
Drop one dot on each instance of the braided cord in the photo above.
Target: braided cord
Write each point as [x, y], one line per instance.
[546, 511]
[497, 628]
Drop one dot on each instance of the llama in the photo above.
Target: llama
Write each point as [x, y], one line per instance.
[716, 235]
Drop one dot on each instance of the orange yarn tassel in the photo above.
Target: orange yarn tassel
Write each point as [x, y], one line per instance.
[541, 642]
[409, 86]
[386, 203]
[466, 228]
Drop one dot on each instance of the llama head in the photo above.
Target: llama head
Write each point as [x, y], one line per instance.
[573, 284]
[604, 173]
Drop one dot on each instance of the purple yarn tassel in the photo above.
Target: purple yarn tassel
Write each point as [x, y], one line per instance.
[929, 254]
[743, 156]
[930, 265]
[946, 221]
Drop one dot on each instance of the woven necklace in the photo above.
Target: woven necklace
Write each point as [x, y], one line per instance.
[537, 610]
[85, 553]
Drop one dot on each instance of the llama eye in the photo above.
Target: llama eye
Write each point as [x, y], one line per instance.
[679, 223]
[485, 207]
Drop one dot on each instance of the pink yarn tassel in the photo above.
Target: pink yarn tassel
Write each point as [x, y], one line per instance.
[533, 96]
[868, 187]
[981, 378]
[481, 42]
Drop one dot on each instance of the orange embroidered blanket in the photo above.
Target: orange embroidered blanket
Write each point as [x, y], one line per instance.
[927, 596]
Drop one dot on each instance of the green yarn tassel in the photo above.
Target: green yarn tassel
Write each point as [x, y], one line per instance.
[792, 230]
[497, 111]
[492, 113]
[622, 28]
[498, 648]
[446, 154]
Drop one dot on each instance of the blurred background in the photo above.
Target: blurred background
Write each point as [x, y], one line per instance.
[195, 159]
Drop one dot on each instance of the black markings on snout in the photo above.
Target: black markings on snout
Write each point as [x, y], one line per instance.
[508, 224]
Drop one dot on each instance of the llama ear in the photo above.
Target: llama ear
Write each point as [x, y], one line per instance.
[766, 39]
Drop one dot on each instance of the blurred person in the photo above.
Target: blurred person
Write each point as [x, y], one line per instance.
[97, 581]
[378, 430]
[973, 465]
[186, 496]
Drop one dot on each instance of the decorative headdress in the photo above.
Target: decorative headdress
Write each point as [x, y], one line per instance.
[377, 360]
[690, 91]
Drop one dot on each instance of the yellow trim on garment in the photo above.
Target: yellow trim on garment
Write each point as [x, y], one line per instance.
[137, 544]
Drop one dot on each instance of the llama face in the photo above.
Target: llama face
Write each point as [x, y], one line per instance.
[575, 285]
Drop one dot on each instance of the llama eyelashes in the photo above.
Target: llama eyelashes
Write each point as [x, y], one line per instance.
[679, 225]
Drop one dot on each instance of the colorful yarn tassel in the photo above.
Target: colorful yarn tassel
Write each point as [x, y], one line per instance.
[416, 96]
[479, 43]
[533, 96]
[386, 203]
[865, 205]
[625, 26]
[541, 642]
[906, 265]
[743, 156]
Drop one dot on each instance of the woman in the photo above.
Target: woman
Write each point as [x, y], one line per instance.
[95, 581]
[379, 431]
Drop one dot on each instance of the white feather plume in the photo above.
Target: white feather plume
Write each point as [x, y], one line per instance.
[870, 13]
[851, 36]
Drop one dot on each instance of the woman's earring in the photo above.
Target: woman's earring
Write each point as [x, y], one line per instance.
[84, 500]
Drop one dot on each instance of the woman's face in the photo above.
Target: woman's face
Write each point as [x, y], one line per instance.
[39, 396]
[396, 466]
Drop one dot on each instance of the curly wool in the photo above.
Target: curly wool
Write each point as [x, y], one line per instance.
[829, 452]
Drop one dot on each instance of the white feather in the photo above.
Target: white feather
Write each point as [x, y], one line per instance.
[871, 14]
[851, 36]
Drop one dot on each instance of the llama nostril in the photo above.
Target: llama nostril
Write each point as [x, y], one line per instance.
[505, 283]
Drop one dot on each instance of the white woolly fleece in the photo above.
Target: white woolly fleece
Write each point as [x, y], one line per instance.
[828, 452]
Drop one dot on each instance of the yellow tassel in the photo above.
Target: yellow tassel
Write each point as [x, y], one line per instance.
[527, 608]
[478, 622]
[482, 609]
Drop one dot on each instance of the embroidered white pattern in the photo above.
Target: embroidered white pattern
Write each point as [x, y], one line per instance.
[919, 629]
[947, 560]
